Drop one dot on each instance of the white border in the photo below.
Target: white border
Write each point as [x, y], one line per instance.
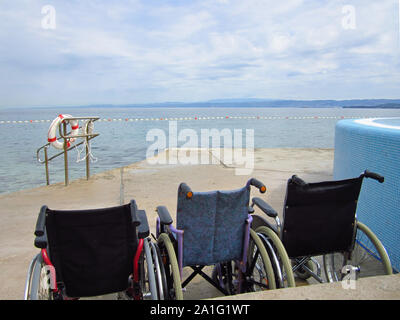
[372, 123]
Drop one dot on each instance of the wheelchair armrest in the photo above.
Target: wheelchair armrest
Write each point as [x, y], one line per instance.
[41, 241]
[165, 217]
[41, 221]
[265, 207]
[143, 228]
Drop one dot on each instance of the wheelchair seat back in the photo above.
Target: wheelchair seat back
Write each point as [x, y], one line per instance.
[214, 225]
[92, 250]
[319, 218]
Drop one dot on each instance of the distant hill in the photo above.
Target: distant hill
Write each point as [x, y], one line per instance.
[381, 106]
[366, 103]
[268, 103]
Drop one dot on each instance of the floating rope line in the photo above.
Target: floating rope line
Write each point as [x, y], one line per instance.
[196, 118]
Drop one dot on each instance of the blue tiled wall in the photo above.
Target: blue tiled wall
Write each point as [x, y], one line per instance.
[360, 146]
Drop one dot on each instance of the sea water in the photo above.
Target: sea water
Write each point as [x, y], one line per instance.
[123, 132]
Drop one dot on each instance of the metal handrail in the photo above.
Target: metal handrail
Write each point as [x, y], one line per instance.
[64, 135]
[91, 136]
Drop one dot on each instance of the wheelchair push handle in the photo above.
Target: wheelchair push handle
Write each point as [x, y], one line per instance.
[296, 180]
[41, 221]
[186, 190]
[373, 175]
[134, 213]
[258, 184]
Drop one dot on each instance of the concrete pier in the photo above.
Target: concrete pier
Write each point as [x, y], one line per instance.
[152, 185]
[373, 288]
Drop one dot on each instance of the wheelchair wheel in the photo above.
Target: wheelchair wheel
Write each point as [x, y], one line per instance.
[171, 268]
[280, 261]
[148, 275]
[369, 257]
[38, 281]
[161, 280]
[259, 273]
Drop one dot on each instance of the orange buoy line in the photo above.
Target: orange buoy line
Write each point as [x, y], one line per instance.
[198, 118]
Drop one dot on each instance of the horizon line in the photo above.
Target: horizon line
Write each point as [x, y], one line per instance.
[212, 101]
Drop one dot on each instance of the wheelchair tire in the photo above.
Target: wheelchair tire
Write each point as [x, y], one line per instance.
[267, 234]
[262, 268]
[273, 256]
[38, 281]
[171, 267]
[369, 255]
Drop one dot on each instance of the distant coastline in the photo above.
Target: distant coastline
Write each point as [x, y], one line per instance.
[267, 103]
[382, 106]
[248, 103]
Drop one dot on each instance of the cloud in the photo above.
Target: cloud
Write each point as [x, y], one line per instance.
[151, 51]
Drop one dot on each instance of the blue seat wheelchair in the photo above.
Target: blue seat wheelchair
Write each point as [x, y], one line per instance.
[319, 220]
[87, 253]
[213, 229]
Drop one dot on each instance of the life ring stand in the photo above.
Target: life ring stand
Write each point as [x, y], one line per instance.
[51, 135]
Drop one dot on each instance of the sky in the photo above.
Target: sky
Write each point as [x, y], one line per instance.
[132, 52]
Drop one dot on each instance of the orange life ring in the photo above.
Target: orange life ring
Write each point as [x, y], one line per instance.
[51, 135]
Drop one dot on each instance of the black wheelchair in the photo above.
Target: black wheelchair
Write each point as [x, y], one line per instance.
[91, 253]
[319, 219]
[213, 229]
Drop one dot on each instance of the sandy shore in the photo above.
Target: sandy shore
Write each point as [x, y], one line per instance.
[150, 185]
